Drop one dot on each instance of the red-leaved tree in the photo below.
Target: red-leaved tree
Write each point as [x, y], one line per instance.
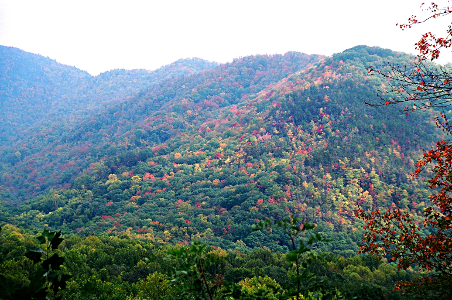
[425, 244]
[420, 84]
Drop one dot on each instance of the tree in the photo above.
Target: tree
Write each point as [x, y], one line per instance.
[301, 257]
[190, 277]
[421, 84]
[155, 286]
[425, 244]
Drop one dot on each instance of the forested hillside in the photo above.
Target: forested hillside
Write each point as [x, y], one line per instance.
[37, 93]
[135, 166]
[205, 156]
[53, 155]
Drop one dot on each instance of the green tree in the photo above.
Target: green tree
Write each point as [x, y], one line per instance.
[300, 256]
[156, 287]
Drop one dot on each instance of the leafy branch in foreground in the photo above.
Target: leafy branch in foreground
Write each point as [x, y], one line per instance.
[422, 84]
[47, 279]
[429, 45]
[418, 86]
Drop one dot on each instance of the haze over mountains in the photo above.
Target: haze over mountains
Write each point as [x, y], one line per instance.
[198, 149]
[37, 90]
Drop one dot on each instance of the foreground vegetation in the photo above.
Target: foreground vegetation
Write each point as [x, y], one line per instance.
[123, 267]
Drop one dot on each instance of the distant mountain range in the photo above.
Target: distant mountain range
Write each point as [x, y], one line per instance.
[37, 91]
[201, 150]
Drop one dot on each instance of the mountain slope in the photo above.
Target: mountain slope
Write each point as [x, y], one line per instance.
[30, 84]
[54, 155]
[37, 92]
[205, 156]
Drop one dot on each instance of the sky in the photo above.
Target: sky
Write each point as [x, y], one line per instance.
[98, 35]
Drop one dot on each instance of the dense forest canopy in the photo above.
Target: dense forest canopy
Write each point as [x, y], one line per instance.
[37, 91]
[200, 151]
[208, 153]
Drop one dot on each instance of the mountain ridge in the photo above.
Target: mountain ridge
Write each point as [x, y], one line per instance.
[39, 90]
[204, 156]
[162, 94]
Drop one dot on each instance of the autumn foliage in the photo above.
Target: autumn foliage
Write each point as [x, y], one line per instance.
[430, 45]
[421, 84]
[425, 245]
[396, 234]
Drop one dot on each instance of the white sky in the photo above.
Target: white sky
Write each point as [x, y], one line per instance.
[100, 35]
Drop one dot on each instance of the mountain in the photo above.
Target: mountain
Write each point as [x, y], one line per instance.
[204, 156]
[30, 85]
[36, 91]
[56, 154]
